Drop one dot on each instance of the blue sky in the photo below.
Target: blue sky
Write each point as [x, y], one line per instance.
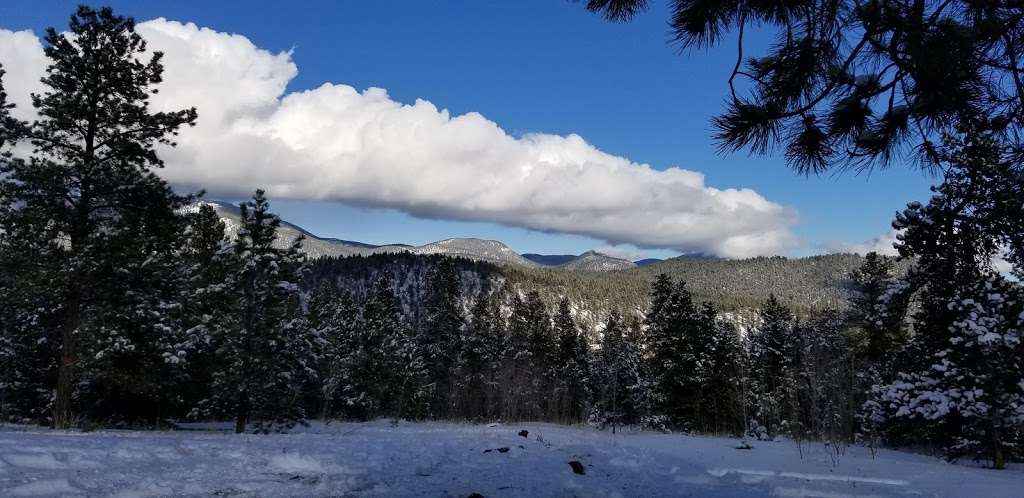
[530, 66]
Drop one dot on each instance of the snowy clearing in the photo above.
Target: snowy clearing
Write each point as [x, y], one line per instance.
[434, 460]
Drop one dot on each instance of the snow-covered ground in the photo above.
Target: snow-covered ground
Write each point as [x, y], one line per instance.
[438, 460]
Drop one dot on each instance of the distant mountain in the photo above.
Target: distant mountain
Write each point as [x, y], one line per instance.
[550, 259]
[491, 251]
[595, 261]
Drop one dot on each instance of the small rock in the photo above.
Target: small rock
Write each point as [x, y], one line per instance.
[503, 449]
[577, 467]
[524, 433]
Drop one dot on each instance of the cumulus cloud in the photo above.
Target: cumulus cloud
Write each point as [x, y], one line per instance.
[335, 143]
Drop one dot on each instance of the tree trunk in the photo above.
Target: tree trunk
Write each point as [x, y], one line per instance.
[240, 421]
[242, 414]
[63, 413]
[998, 457]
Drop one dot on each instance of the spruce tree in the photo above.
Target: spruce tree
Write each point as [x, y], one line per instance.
[439, 335]
[973, 385]
[531, 352]
[478, 393]
[774, 355]
[724, 379]
[677, 343]
[334, 318]
[390, 366]
[879, 308]
[265, 352]
[616, 376]
[133, 360]
[208, 261]
[89, 177]
[571, 367]
[11, 129]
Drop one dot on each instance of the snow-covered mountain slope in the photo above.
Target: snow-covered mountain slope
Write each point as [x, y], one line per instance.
[595, 261]
[435, 459]
[491, 251]
[313, 246]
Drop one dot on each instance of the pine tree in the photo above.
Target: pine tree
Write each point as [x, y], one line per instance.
[334, 318]
[482, 351]
[90, 170]
[439, 336]
[973, 385]
[208, 261]
[854, 84]
[133, 360]
[572, 367]
[825, 398]
[390, 368]
[531, 351]
[616, 376]
[723, 389]
[879, 307]
[774, 356]
[953, 238]
[264, 350]
[29, 320]
[28, 314]
[677, 343]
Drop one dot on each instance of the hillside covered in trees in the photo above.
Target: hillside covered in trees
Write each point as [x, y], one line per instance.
[737, 288]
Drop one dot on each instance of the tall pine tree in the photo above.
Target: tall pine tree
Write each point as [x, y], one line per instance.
[89, 177]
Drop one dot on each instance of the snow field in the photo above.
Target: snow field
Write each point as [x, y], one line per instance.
[442, 460]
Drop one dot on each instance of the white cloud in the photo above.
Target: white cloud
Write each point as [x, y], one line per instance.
[883, 244]
[21, 54]
[335, 143]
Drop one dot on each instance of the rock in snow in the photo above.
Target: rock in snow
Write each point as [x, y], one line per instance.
[577, 467]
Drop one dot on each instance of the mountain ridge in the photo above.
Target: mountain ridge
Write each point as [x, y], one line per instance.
[491, 251]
